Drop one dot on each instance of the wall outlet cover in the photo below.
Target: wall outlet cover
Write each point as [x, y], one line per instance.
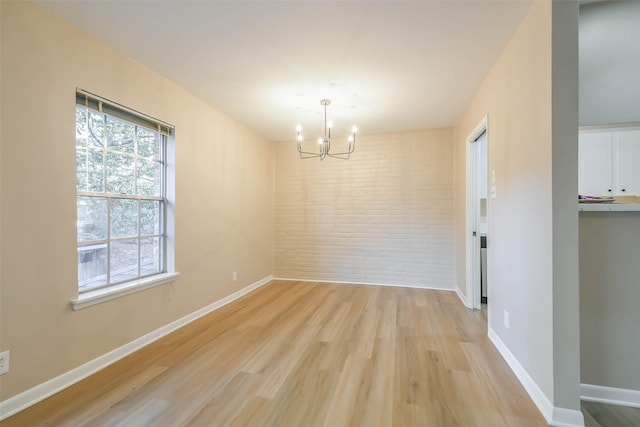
[4, 362]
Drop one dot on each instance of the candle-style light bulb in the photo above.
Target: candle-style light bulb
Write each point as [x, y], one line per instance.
[354, 129]
[329, 124]
[298, 128]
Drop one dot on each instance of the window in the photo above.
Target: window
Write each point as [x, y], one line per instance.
[121, 181]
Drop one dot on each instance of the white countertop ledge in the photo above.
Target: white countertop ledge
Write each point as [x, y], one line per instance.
[608, 207]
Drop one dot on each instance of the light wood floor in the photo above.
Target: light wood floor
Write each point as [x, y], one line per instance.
[604, 415]
[308, 354]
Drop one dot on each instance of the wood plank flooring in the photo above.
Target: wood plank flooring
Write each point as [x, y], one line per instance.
[307, 354]
[604, 415]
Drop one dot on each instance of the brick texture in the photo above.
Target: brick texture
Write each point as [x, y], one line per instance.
[385, 216]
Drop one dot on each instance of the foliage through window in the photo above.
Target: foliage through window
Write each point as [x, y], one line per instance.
[121, 198]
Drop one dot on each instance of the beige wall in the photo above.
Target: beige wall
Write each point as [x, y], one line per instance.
[224, 208]
[522, 250]
[384, 216]
[516, 96]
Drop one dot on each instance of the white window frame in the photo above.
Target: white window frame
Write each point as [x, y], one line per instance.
[168, 273]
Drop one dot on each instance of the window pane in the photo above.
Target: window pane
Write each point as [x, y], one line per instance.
[124, 260]
[92, 266]
[120, 135]
[95, 169]
[148, 144]
[120, 173]
[149, 217]
[95, 126]
[89, 170]
[124, 218]
[149, 178]
[92, 218]
[82, 133]
[150, 255]
[81, 169]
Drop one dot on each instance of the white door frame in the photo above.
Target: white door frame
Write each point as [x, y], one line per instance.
[472, 215]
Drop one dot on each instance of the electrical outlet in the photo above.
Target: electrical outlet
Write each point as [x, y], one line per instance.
[4, 362]
[235, 276]
[506, 319]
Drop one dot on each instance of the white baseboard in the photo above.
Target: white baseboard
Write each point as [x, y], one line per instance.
[463, 298]
[611, 395]
[555, 416]
[563, 417]
[363, 283]
[40, 392]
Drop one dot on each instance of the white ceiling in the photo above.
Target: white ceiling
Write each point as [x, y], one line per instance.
[387, 66]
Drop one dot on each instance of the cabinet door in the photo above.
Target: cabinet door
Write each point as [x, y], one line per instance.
[595, 165]
[628, 154]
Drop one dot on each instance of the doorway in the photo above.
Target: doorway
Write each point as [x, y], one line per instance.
[477, 215]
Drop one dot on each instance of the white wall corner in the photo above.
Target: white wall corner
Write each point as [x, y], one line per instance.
[537, 395]
[557, 417]
[30, 397]
[563, 417]
[611, 395]
[465, 300]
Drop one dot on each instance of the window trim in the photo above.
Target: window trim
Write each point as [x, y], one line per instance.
[100, 295]
[168, 275]
[119, 111]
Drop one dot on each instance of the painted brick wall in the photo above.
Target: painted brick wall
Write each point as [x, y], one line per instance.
[385, 216]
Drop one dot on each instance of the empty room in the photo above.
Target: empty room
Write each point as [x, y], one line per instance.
[311, 213]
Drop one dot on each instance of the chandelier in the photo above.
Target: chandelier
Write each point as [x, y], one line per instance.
[324, 144]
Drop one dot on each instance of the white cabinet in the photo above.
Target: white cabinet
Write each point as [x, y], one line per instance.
[628, 162]
[608, 162]
[595, 164]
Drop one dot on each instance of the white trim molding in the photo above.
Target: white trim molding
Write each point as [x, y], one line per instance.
[40, 392]
[563, 417]
[87, 299]
[472, 213]
[555, 416]
[611, 395]
[464, 300]
[363, 283]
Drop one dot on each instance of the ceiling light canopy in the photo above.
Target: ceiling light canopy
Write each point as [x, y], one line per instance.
[324, 144]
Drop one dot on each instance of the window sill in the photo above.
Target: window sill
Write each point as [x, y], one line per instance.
[87, 299]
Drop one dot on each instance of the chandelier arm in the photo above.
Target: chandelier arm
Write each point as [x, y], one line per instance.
[324, 148]
[341, 156]
[308, 153]
[352, 147]
[325, 123]
[305, 155]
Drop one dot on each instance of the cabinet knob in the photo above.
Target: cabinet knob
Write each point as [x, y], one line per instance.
[624, 189]
[609, 190]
